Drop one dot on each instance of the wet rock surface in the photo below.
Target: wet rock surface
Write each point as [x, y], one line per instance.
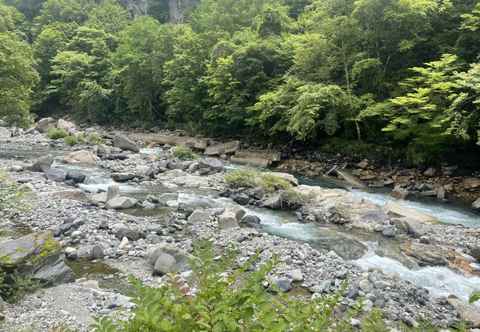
[165, 209]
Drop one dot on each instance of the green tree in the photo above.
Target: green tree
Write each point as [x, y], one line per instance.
[144, 48]
[108, 16]
[235, 81]
[18, 78]
[82, 71]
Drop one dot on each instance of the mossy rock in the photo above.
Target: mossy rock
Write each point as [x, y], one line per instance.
[28, 251]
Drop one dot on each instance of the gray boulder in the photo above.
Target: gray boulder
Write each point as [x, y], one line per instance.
[250, 220]
[41, 164]
[121, 203]
[168, 259]
[212, 164]
[43, 125]
[164, 264]
[123, 177]
[5, 133]
[124, 143]
[56, 174]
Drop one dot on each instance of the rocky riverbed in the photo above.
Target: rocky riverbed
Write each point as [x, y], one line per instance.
[116, 209]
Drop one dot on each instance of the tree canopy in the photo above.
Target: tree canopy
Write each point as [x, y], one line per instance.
[401, 72]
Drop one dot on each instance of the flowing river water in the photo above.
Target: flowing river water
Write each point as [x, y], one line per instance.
[365, 250]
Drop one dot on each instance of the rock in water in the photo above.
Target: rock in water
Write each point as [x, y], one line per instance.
[121, 203]
[476, 204]
[112, 192]
[56, 174]
[124, 143]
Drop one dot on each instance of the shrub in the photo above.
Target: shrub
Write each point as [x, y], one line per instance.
[184, 153]
[10, 194]
[228, 298]
[57, 133]
[14, 287]
[474, 297]
[247, 178]
[71, 140]
[94, 139]
[271, 183]
[241, 178]
[292, 199]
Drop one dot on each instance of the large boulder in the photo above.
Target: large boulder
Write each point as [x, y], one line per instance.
[56, 174]
[256, 158]
[400, 210]
[212, 165]
[468, 313]
[471, 183]
[68, 126]
[5, 133]
[121, 203]
[231, 217]
[124, 143]
[43, 125]
[476, 204]
[81, 157]
[36, 256]
[41, 164]
[223, 148]
[426, 254]
[168, 259]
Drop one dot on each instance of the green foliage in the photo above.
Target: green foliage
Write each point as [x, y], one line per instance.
[402, 71]
[228, 298]
[94, 139]
[474, 297]
[18, 78]
[11, 196]
[183, 153]
[247, 178]
[13, 287]
[241, 178]
[57, 133]
[71, 140]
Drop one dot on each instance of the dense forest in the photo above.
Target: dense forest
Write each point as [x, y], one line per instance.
[397, 73]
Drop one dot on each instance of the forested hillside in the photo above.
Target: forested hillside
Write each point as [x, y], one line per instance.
[401, 73]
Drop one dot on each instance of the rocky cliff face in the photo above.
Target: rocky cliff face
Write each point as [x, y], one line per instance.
[176, 8]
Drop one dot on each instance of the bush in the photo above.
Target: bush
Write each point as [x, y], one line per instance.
[14, 287]
[251, 179]
[94, 139]
[241, 178]
[56, 133]
[10, 194]
[71, 140]
[184, 153]
[474, 297]
[229, 298]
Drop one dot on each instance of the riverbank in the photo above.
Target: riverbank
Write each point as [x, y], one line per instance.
[158, 199]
